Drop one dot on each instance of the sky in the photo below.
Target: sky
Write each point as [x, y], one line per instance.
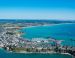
[37, 9]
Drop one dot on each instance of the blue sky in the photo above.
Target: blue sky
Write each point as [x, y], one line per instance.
[37, 9]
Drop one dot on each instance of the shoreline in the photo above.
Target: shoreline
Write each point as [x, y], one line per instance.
[24, 52]
[47, 25]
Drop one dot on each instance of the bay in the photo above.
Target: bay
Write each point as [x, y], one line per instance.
[64, 32]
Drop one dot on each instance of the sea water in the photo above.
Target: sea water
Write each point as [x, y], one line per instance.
[64, 32]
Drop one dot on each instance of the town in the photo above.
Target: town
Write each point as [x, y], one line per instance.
[11, 41]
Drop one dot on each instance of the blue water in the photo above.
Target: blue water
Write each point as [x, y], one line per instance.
[60, 32]
[11, 55]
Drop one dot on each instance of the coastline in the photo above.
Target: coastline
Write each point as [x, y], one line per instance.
[24, 52]
[52, 52]
[47, 25]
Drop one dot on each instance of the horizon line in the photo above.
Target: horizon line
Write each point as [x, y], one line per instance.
[35, 19]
